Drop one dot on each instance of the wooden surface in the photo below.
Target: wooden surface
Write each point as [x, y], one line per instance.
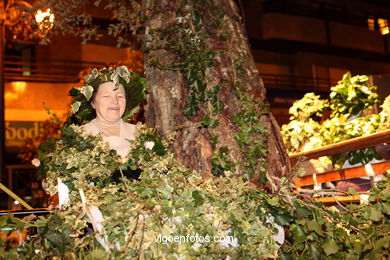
[355, 172]
[346, 146]
[343, 199]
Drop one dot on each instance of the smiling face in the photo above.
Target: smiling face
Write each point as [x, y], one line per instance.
[109, 104]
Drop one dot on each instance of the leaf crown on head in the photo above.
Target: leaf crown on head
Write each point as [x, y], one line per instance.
[135, 87]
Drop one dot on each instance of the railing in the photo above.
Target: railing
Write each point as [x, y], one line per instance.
[19, 179]
[369, 170]
[327, 11]
[273, 81]
[18, 68]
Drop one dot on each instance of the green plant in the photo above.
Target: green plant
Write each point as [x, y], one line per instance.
[385, 115]
[171, 200]
[303, 131]
[348, 100]
[352, 95]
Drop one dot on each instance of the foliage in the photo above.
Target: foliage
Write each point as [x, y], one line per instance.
[73, 17]
[168, 200]
[352, 95]
[348, 100]
[385, 115]
[251, 137]
[350, 232]
[171, 200]
[309, 107]
[340, 128]
[303, 132]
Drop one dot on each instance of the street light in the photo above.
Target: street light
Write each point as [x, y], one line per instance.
[13, 16]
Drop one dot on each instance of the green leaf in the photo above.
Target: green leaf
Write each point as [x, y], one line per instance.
[386, 208]
[375, 214]
[282, 219]
[299, 234]
[197, 197]
[312, 225]
[123, 72]
[330, 247]
[75, 107]
[87, 91]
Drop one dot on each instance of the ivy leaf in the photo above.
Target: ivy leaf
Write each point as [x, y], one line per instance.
[123, 72]
[92, 76]
[299, 234]
[312, 225]
[87, 91]
[130, 114]
[330, 247]
[302, 210]
[282, 219]
[75, 107]
[386, 208]
[375, 214]
[197, 197]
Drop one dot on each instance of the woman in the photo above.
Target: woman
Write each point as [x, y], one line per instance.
[109, 103]
[108, 98]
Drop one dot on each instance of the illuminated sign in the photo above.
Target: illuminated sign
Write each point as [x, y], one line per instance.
[17, 132]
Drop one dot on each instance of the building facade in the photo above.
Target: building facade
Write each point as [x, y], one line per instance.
[305, 46]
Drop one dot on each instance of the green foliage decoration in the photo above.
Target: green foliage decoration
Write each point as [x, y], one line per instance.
[171, 200]
[340, 128]
[310, 106]
[303, 131]
[384, 123]
[348, 101]
[251, 137]
[352, 95]
[187, 39]
[168, 200]
[74, 17]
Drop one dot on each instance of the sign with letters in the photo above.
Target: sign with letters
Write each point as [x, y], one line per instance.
[16, 132]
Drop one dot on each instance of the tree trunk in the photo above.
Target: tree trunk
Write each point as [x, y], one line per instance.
[233, 70]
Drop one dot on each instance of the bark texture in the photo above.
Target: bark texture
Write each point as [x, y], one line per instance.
[168, 91]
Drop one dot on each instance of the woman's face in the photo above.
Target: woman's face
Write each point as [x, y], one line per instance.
[109, 104]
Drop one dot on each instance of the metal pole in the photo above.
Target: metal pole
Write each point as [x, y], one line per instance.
[2, 103]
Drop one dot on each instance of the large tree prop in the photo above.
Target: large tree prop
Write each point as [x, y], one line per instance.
[205, 90]
[204, 86]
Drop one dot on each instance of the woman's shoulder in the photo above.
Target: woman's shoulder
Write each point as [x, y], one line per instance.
[130, 130]
[91, 128]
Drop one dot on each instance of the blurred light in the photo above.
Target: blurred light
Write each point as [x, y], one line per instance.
[383, 26]
[16, 202]
[9, 96]
[19, 86]
[371, 24]
[44, 19]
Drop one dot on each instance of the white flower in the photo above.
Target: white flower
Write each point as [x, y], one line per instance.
[36, 162]
[149, 145]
